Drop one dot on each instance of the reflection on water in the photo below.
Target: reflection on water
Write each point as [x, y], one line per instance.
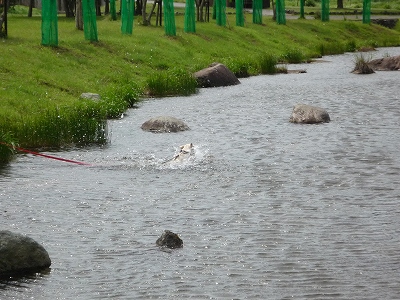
[266, 209]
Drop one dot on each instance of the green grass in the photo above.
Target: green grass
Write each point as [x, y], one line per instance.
[38, 84]
[361, 62]
[7, 147]
[349, 6]
[268, 64]
[171, 82]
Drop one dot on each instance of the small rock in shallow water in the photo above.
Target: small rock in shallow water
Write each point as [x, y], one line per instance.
[163, 124]
[170, 240]
[303, 113]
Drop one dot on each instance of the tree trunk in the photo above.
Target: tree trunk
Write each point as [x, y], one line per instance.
[273, 10]
[69, 8]
[31, 4]
[144, 2]
[98, 8]
[138, 8]
[106, 7]
[78, 15]
[200, 9]
[339, 3]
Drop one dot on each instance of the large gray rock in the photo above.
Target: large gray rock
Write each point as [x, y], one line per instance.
[389, 23]
[164, 124]
[391, 63]
[21, 255]
[91, 96]
[215, 75]
[170, 240]
[303, 113]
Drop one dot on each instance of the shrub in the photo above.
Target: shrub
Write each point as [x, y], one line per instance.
[331, 48]
[171, 83]
[117, 98]
[351, 46]
[293, 56]
[361, 65]
[241, 69]
[268, 64]
[7, 147]
[310, 3]
[82, 124]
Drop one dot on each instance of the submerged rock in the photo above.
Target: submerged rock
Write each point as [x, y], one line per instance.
[215, 75]
[21, 255]
[303, 113]
[164, 124]
[170, 240]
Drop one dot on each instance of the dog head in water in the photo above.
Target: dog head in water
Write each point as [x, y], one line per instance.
[185, 152]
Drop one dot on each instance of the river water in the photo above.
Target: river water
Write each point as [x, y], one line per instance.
[266, 210]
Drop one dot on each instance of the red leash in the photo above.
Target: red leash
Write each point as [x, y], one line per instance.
[45, 155]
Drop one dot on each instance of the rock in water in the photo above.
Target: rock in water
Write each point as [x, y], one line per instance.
[391, 63]
[164, 124]
[21, 255]
[170, 240]
[215, 75]
[303, 113]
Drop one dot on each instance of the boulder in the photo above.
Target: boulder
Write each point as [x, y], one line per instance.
[164, 124]
[215, 75]
[391, 63]
[389, 23]
[170, 240]
[90, 96]
[21, 255]
[303, 113]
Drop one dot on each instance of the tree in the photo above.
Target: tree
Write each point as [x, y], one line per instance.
[31, 4]
[200, 5]
[138, 8]
[145, 22]
[69, 8]
[106, 7]
[339, 3]
[3, 23]
[98, 7]
[78, 15]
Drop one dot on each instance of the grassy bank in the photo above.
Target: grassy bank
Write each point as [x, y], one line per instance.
[40, 86]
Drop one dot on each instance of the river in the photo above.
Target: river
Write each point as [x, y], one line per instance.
[266, 210]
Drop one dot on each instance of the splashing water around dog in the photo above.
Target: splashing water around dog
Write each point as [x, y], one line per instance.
[186, 153]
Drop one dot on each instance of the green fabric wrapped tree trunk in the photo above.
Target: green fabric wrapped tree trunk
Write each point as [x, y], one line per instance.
[113, 10]
[302, 9]
[169, 18]
[190, 17]
[127, 12]
[49, 23]
[257, 11]
[239, 13]
[280, 12]
[325, 10]
[220, 12]
[367, 11]
[89, 20]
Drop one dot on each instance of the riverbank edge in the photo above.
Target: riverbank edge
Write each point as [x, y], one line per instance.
[394, 42]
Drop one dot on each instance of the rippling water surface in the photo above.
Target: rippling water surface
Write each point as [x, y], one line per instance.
[267, 210]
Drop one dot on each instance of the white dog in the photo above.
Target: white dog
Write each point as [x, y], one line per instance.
[186, 151]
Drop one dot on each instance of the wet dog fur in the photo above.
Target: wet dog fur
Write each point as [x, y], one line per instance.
[185, 152]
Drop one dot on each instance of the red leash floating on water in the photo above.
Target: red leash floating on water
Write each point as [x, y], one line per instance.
[46, 155]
